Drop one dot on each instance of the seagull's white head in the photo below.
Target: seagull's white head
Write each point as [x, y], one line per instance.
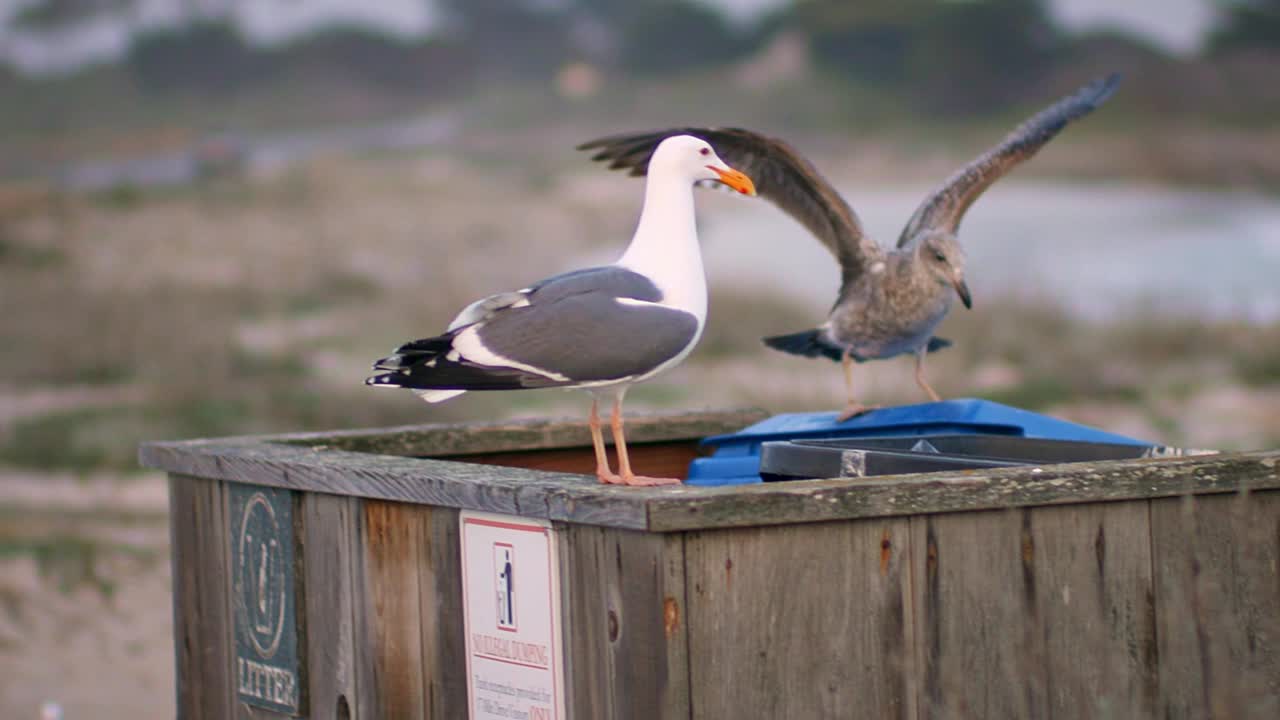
[693, 159]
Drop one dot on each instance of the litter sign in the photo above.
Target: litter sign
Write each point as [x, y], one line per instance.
[266, 619]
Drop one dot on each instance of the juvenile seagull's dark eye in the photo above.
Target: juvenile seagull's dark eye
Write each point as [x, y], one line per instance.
[705, 151]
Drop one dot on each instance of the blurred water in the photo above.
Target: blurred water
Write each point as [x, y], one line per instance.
[259, 155]
[1100, 249]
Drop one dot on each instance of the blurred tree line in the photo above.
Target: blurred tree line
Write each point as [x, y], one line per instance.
[1247, 25]
[481, 39]
[950, 56]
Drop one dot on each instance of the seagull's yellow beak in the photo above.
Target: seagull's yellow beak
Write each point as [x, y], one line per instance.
[735, 180]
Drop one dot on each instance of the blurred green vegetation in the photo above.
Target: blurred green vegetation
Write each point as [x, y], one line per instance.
[210, 58]
[53, 14]
[71, 560]
[1248, 25]
[874, 63]
[949, 57]
[1259, 365]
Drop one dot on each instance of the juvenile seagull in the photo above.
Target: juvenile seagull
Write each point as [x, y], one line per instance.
[601, 329]
[890, 301]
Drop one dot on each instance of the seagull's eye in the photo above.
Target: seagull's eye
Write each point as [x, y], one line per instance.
[704, 151]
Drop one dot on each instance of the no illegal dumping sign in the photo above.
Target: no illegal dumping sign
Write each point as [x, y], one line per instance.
[511, 600]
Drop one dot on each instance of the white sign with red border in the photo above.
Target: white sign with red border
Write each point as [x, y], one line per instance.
[511, 601]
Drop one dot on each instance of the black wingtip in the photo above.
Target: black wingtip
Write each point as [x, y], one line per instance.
[601, 144]
[936, 343]
[605, 142]
[621, 144]
[807, 343]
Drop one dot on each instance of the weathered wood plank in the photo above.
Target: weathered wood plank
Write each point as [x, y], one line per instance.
[1217, 571]
[411, 621]
[364, 705]
[684, 508]
[580, 499]
[623, 595]
[804, 621]
[309, 461]
[444, 651]
[976, 612]
[1096, 609]
[201, 612]
[648, 652]
[584, 615]
[675, 696]
[392, 536]
[329, 543]
[441, 483]
[445, 439]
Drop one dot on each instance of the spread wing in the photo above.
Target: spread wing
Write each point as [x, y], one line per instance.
[781, 175]
[944, 209]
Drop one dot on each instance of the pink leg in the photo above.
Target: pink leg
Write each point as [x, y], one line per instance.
[624, 461]
[852, 407]
[597, 441]
[924, 384]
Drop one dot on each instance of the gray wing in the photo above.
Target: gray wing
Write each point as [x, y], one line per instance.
[584, 326]
[619, 281]
[576, 326]
[944, 209]
[781, 175]
[610, 279]
[590, 337]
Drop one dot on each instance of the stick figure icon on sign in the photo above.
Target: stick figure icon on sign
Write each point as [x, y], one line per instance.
[503, 559]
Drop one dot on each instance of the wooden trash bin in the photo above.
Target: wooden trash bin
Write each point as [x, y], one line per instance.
[322, 575]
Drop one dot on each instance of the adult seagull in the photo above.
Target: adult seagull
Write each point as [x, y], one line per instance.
[601, 329]
[890, 301]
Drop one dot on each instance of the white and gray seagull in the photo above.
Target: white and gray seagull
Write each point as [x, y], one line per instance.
[601, 329]
[890, 301]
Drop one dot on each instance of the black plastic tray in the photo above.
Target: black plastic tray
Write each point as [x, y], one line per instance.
[867, 457]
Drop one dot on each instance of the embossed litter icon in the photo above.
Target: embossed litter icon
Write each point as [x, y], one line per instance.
[260, 578]
[504, 558]
[262, 538]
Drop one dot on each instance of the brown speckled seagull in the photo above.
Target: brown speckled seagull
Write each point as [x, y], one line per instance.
[890, 301]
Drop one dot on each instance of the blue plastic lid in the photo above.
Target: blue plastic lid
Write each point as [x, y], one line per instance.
[736, 456]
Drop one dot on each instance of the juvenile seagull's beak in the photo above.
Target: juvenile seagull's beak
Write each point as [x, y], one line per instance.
[962, 289]
[735, 180]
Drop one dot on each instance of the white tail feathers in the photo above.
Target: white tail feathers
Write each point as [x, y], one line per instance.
[435, 396]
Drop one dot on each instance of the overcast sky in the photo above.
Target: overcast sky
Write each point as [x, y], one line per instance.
[1177, 25]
